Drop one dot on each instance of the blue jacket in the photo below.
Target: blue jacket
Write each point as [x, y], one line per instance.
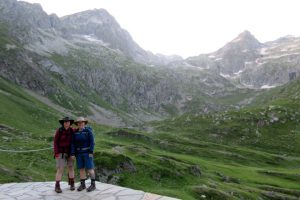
[82, 141]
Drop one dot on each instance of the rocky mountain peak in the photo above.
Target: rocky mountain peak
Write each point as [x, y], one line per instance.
[232, 57]
[246, 35]
[26, 19]
[99, 24]
[95, 16]
[21, 13]
[244, 40]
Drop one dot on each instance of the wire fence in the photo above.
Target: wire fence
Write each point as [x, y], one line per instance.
[25, 151]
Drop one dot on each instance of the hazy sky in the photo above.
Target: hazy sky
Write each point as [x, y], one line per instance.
[191, 27]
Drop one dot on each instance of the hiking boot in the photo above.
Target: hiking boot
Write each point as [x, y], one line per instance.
[58, 189]
[72, 185]
[82, 186]
[91, 188]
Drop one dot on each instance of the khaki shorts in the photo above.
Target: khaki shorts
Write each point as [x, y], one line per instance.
[63, 161]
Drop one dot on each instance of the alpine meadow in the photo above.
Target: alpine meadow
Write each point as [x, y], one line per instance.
[223, 125]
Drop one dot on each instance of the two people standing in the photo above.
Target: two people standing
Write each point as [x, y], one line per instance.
[71, 143]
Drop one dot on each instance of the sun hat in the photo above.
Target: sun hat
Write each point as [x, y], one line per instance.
[66, 119]
[81, 119]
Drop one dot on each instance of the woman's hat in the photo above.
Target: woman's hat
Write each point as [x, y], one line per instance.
[81, 119]
[66, 119]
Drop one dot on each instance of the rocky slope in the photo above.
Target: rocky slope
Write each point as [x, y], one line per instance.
[87, 63]
[86, 60]
[277, 64]
[99, 26]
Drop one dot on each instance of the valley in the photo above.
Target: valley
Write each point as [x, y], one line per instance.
[223, 125]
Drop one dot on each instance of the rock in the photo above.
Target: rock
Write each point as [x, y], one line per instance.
[118, 149]
[292, 75]
[113, 180]
[156, 176]
[52, 67]
[195, 170]
[128, 166]
[228, 179]
[107, 165]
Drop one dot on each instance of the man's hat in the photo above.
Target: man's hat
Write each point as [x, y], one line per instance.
[66, 119]
[81, 119]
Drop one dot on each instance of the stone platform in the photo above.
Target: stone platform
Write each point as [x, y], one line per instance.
[45, 191]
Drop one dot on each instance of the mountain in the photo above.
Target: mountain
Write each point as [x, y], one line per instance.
[248, 63]
[196, 128]
[277, 64]
[88, 56]
[99, 26]
[232, 57]
[24, 20]
[87, 63]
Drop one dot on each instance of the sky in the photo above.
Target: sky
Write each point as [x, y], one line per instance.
[191, 27]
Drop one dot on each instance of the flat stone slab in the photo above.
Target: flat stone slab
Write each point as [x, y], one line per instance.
[45, 191]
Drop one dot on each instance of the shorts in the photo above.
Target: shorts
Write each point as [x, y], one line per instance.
[83, 160]
[63, 160]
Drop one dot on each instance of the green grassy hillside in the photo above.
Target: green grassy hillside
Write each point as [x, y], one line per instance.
[215, 156]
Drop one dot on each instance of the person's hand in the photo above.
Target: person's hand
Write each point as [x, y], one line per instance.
[91, 155]
[56, 155]
[72, 157]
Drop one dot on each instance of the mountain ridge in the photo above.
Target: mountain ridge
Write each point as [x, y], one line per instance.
[201, 127]
[110, 77]
[57, 52]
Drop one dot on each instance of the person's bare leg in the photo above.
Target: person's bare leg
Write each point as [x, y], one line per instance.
[82, 173]
[91, 173]
[71, 172]
[93, 184]
[59, 173]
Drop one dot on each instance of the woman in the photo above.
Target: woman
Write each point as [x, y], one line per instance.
[82, 147]
[62, 146]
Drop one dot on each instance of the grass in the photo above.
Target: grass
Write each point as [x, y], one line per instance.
[23, 112]
[189, 157]
[245, 152]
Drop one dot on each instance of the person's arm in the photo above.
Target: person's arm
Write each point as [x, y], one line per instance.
[55, 144]
[92, 142]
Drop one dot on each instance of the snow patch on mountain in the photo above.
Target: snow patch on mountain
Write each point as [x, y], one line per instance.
[267, 86]
[93, 38]
[263, 51]
[225, 75]
[188, 65]
[238, 73]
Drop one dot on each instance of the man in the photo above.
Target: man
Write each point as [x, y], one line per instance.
[82, 147]
[62, 146]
